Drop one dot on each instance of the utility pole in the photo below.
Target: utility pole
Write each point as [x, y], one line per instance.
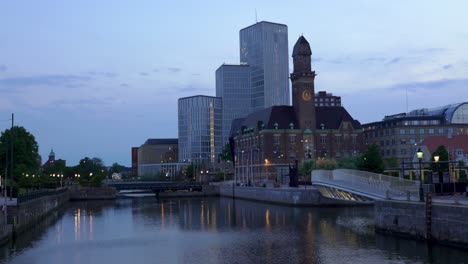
[11, 155]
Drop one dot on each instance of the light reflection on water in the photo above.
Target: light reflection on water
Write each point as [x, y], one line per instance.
[214, 230]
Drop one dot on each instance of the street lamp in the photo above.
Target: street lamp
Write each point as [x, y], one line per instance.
[436, 160]
[419, 154]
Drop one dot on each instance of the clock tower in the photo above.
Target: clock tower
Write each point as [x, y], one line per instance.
[302, 80]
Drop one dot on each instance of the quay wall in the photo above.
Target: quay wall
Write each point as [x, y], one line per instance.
[286, 196]
[30, 212]
[446, 224]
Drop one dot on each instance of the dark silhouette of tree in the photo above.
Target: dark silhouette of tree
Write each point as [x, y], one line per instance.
[371, 160]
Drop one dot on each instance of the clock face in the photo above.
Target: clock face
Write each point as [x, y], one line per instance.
[306, 95]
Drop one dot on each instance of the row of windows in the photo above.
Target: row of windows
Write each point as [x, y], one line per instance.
[405, 131]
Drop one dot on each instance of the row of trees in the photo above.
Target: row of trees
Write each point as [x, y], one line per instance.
[27, 170]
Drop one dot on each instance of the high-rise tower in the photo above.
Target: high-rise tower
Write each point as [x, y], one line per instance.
[264, 46]
[302, 80]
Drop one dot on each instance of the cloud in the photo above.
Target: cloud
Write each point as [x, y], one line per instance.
[156, 70]
[434, 50]
[375, 59]
[192, 89]
[3, 68]
[174, 69]
[85, 102]
[124, 85]
[195, 74]
[448, 66]
[56, 80]
[431, 85]
[104, 74]
[394, 60]
[143, 73]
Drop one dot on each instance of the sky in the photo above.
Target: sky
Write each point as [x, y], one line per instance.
[94, 78]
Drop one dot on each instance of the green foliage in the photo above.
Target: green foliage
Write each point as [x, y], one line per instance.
[306, 168]
[371, 160]
[326, 164]
[348, 163]
[92, 171]
[25, 151]
[116, 168]
[189, 171]
[443, 154]
[226, 153]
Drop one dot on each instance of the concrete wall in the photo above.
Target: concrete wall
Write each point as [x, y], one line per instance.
[29, 213]
[289, 196]
[449, 222]
[92, 193]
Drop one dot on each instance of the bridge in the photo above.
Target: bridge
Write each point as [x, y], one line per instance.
[365, 184]
[154, 186]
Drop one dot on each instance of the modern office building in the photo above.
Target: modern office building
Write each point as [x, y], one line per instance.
[264, 46]
[399, 135]
[323, 98]
[200, 128]
[268, 141]
[158, 155]
[233, 86]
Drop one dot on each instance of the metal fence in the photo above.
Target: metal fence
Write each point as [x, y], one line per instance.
[39, 194]
[370, 184]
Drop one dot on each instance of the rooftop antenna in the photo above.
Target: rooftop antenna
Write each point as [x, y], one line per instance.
[406, 89]
[256, 20]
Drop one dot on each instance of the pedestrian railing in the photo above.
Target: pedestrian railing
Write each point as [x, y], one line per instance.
[373, 185]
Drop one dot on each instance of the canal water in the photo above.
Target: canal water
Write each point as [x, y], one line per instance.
[214, 230]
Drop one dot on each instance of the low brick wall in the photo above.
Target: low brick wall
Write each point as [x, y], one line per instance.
[288, 196]
[92, 193]
[449, 222]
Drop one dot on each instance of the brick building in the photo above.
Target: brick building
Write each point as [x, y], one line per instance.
[267, 142]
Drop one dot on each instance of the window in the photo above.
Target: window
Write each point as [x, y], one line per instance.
[338, 139]
[441, 131]
[403, 151]
[276, 139]
[411, 131]
[402, 131]
[292, 138]
[421, 131]
[354, 139]
[412, 141]
[431, 131]
[403, 141]
[323, 139]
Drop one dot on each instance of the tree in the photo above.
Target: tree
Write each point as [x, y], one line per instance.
[326, 164]
[91, 171]
[306, 168]
[25, 151]
[116, 168]
[189, 171]
[443, 154]
[226, 153]
[371, 160]
[348, 163]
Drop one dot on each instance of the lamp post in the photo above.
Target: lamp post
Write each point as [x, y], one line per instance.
[436, 160]
[419, 154]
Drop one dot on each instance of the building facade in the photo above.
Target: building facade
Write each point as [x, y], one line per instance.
[264, 46]
[233, 86]
[158, 155]
[200, 129]
[323, 98]
[267, 142]
[399, 135]
[134, 161]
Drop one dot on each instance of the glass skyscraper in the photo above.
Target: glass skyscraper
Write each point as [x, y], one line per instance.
[264, 46]
[233, 86]
[200, 128]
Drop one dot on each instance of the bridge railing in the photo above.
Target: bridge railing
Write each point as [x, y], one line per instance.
[368, 183]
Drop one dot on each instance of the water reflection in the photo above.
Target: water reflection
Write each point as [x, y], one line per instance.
[215, 230]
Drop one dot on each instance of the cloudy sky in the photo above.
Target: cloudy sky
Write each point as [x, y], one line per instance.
[94, 78]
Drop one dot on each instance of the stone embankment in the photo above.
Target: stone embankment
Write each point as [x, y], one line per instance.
[442, 223]
[309, 196]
